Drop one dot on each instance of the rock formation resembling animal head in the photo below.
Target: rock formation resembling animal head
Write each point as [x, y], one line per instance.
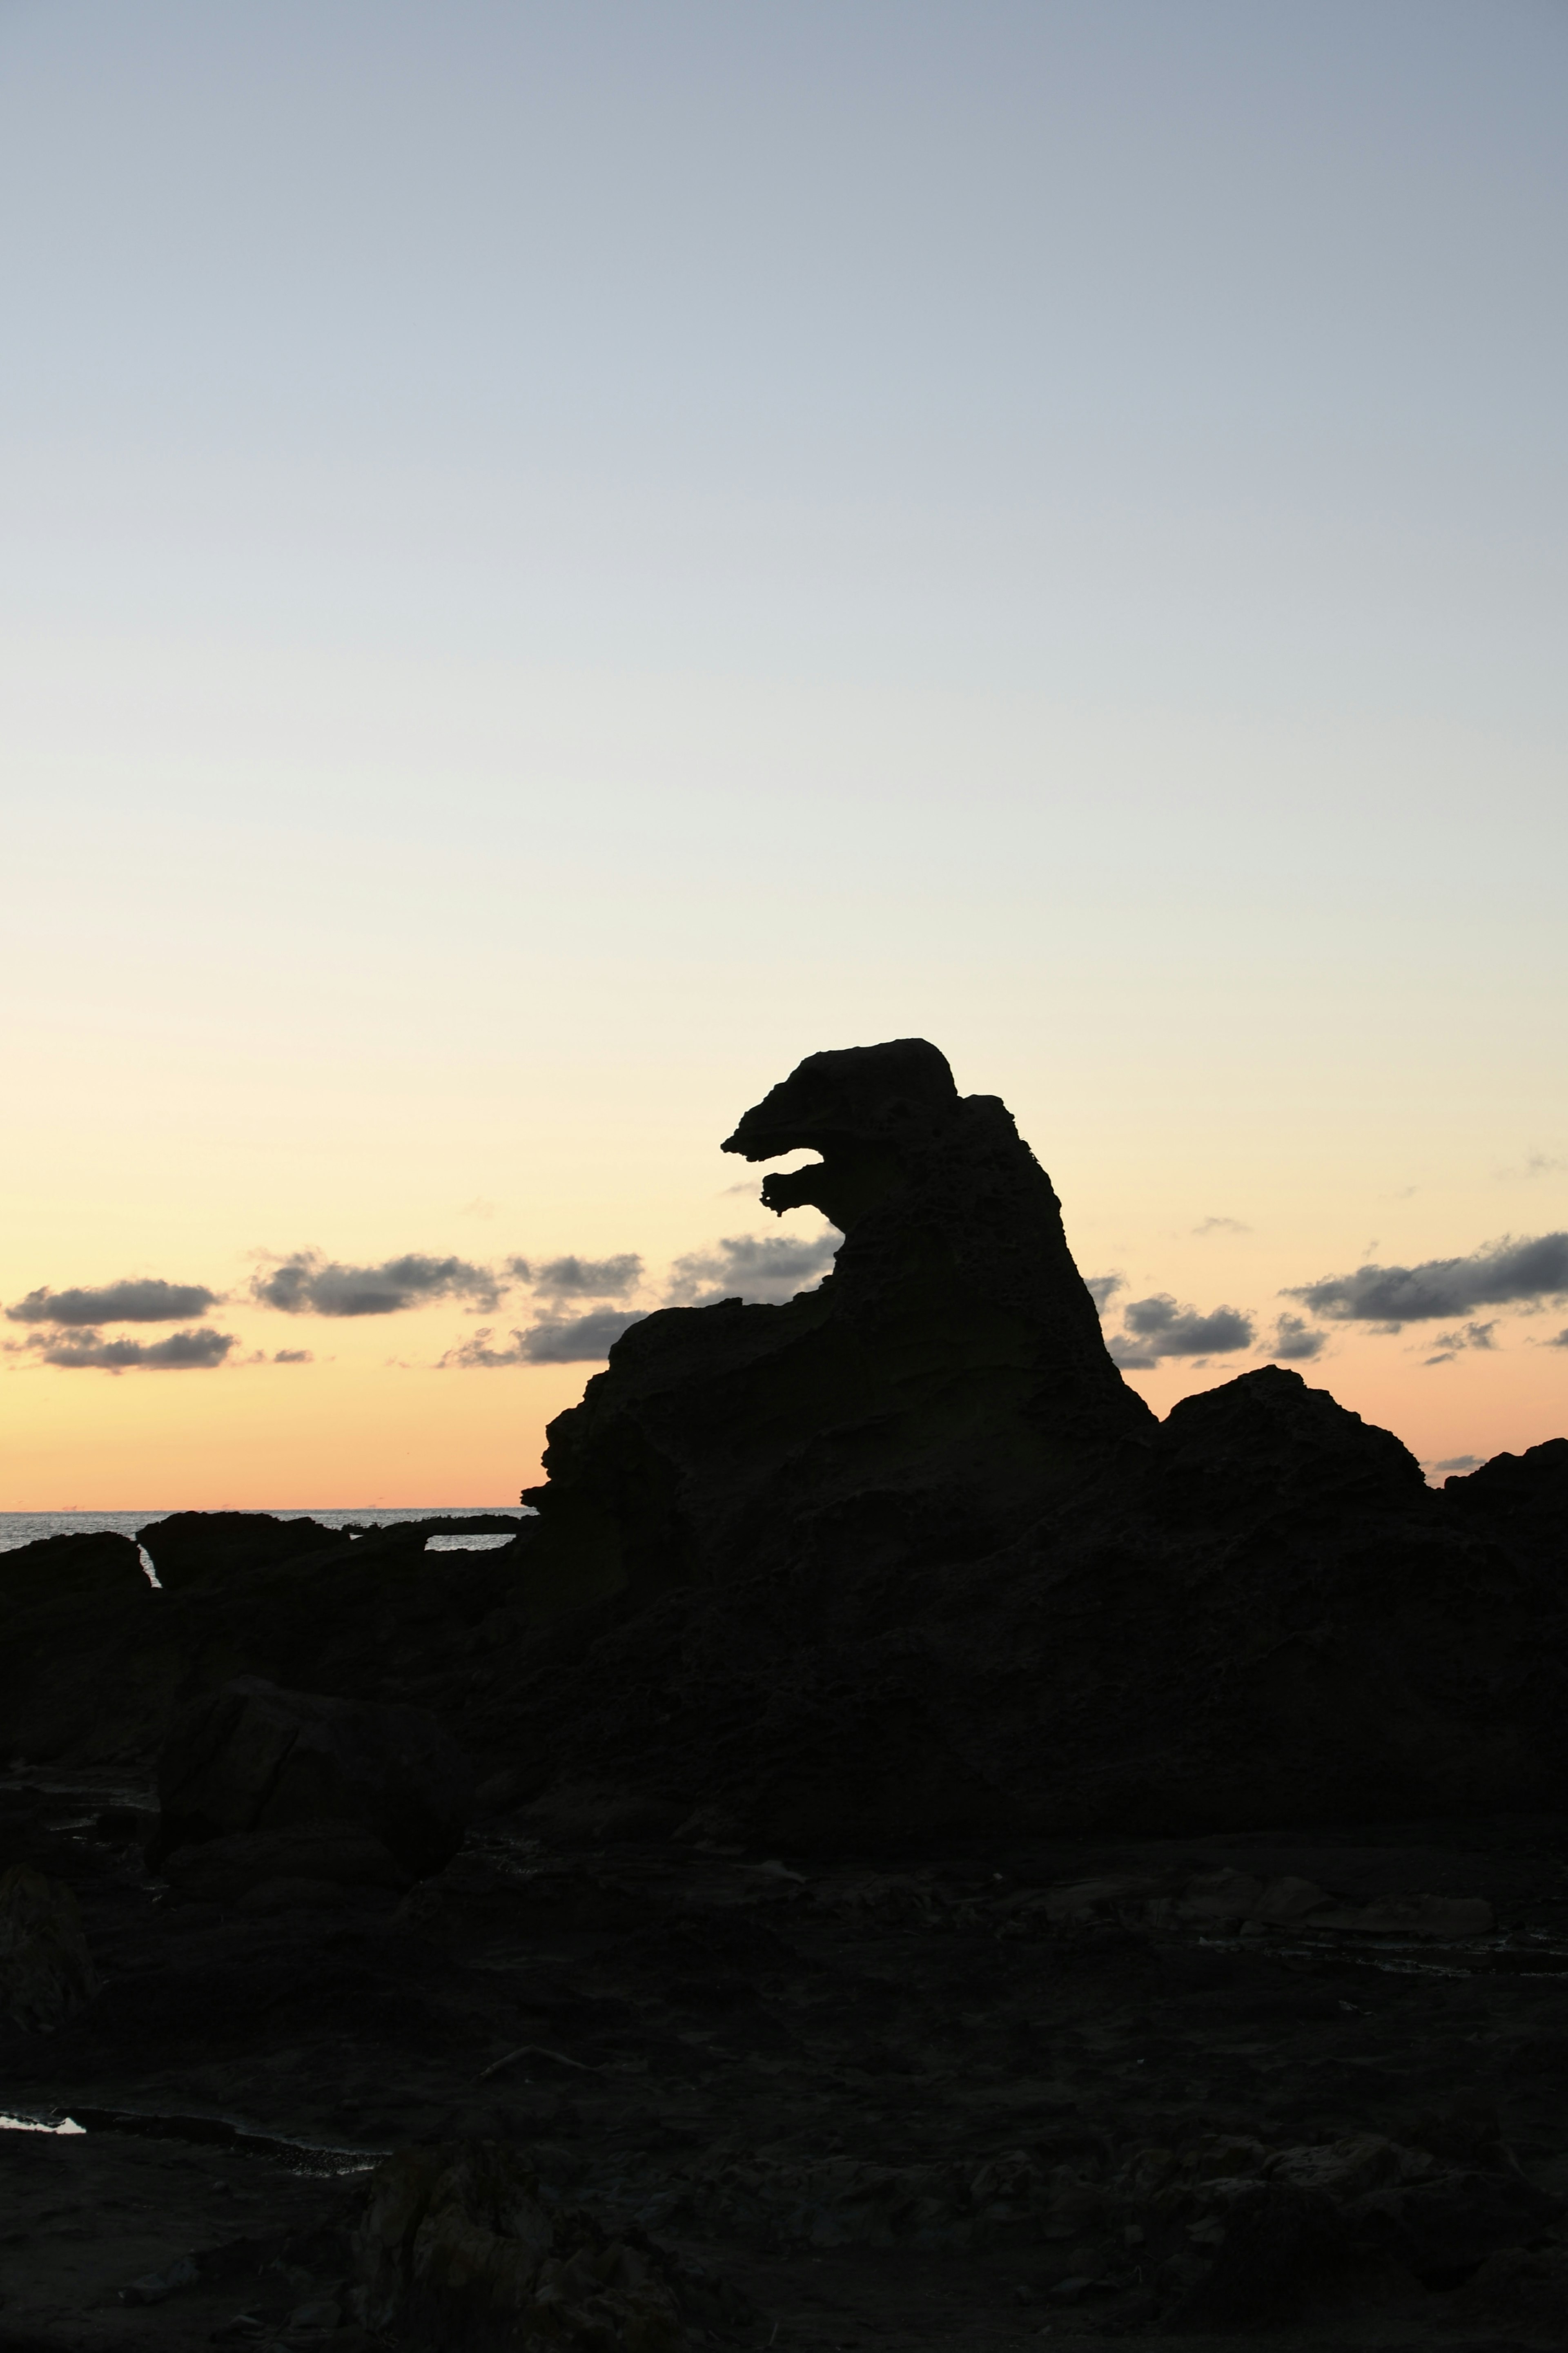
[946, 1379]
[865, 1109]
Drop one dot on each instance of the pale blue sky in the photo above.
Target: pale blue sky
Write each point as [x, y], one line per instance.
[555, 559]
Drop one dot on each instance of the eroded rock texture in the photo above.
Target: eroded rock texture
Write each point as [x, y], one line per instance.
[253, 1766]
[946, 1380]
[1266, 1616]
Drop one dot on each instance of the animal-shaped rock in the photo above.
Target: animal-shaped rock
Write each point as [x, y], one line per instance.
[945, 1382]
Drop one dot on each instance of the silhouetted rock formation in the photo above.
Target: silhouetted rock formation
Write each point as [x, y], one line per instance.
[1519, 1499]
[190, 1546]
[946, 1380]
[1270, 1617]
[72, 1609]
[902, 1561]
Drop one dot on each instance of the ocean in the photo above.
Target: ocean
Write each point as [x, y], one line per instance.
[25, 1527]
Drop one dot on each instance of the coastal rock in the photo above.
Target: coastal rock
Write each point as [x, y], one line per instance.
[1262, 1615]
[46, 1969]
[1521, 1500]
[457, 2249]
[944, 1383]
[71, 1608]
[190, 1546]
[322, 1854]
[250, 1758]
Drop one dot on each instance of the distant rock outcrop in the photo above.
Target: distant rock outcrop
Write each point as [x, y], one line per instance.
[189, 1547]
[940, 1387]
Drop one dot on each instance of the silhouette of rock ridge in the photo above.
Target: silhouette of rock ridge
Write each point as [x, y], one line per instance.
[946, 1379]
[902, 1561]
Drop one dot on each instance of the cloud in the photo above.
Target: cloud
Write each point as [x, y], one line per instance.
[1102, 1289]
[292, 1356]
[1536, 1164]
[1158, 1327]
[766, 1269]
[476, 1354]
[1505, 1274]
[144, 1300]
[1129, 1355]
[1474, 1336]
[554, 1340]
[585, 1278]
[1295, 1342]
[1561, 1340]
[1455, 1463]
[182, 1352]
[1221, 1226]
[307, 1285]
[578, 1339]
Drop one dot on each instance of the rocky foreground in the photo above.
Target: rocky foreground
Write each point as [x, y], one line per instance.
[1312, 2086]
[901, 1850]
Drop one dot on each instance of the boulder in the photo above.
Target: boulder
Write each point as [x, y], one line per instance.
[250, 1758]
[1267, 1447]
[1521, 1500]
[71, 1608]
[457, 2249]
[189, 1547]
[70, 1573]
[46, 1969]
[944, 1383]
[322, 1854]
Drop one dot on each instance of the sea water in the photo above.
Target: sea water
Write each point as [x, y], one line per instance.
[26, 1527]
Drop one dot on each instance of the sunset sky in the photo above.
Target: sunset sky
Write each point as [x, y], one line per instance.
[556, 560]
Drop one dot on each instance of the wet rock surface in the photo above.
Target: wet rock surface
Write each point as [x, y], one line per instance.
[1110, 2089]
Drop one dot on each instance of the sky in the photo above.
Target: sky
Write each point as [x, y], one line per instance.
[555, 561]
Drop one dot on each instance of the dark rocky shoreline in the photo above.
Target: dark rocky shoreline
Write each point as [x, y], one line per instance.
[948, 1860]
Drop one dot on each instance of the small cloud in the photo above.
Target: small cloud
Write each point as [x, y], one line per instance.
[585, 1278]
[1446, 1358]
[578, 1339]
[305, 1283]
[554, 1340]
[1161, 1328]
[1103, 1288]
[1561, 1340]
[478, 1207]
[180, 1352]
[1129, 1355]
[1221, 1226]
[1535, 1164]
[292, 1356]
[477, 1355]
[1473, 1335]
[1455, 1463]
[1296, 1342]
[144, 1300]
[765, 1270]
[1505, 1274]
